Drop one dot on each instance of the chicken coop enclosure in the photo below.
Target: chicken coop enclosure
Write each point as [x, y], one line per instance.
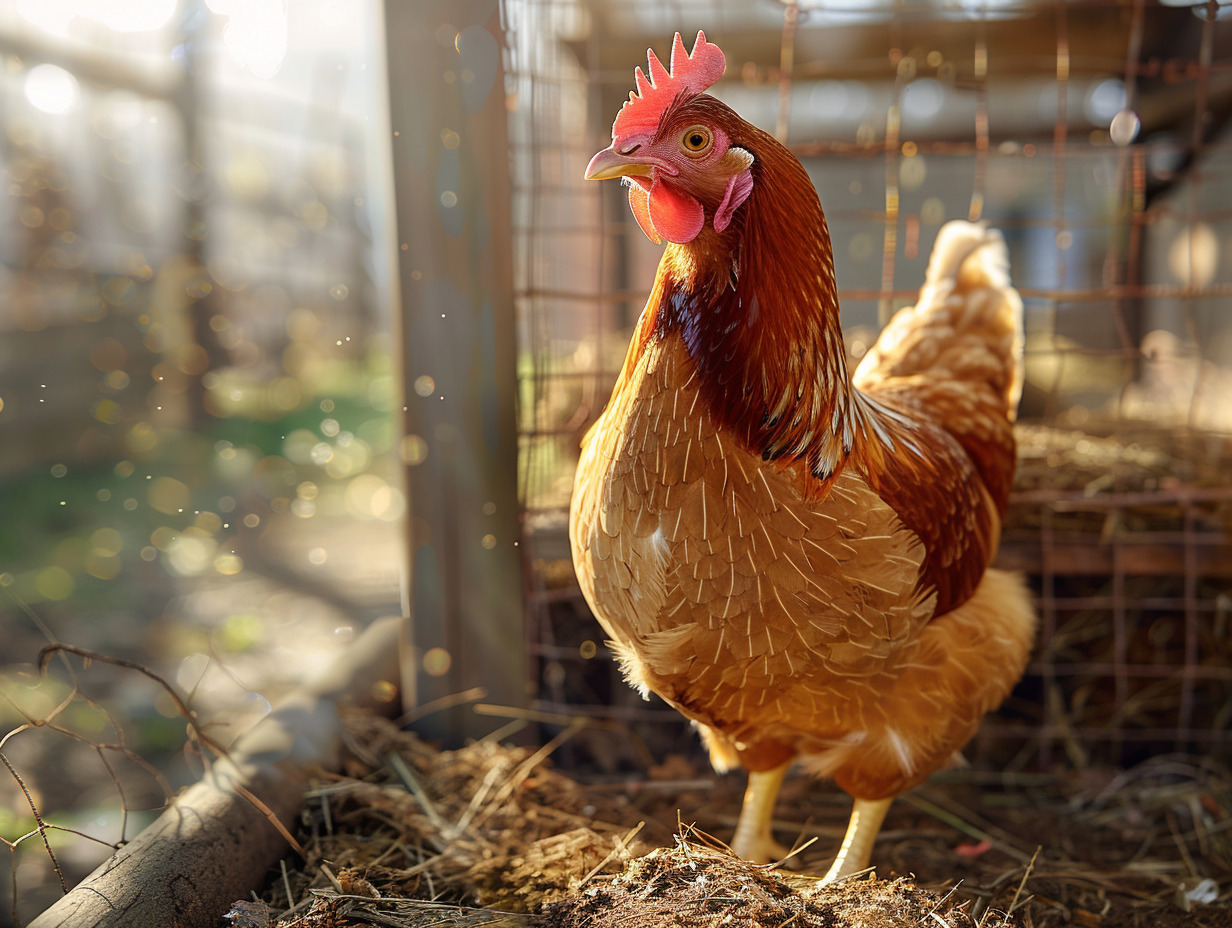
[1094, 135]
[213, 209]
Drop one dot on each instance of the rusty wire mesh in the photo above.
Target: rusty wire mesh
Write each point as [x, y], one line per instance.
[1093, 134]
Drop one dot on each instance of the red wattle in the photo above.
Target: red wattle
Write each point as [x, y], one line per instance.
[639, 203]
[676, 216]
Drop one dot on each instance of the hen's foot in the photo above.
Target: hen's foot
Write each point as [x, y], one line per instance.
[753, 839]
[866, 818]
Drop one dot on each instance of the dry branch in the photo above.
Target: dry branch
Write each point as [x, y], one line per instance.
[214, 844]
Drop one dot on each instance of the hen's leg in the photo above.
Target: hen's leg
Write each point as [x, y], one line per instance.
[866, 818]
[753, 840]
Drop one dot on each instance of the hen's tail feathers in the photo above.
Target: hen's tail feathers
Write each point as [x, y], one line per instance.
[966, 325]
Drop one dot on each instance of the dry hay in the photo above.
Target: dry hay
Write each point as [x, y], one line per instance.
[492, 836]
[1065, 464]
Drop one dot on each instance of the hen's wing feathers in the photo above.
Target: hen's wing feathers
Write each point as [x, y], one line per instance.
[932, 484]
[966, 326]
[955, 358]
[940, 388]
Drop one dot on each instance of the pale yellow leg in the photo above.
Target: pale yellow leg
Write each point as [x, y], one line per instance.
[866, 818]
[753, 840]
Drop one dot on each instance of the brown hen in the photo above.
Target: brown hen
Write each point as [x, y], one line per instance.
[795, 558]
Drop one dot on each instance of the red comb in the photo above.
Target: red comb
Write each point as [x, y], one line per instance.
[690, 74]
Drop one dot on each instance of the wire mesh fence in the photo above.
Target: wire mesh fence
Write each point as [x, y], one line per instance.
[1094, 135]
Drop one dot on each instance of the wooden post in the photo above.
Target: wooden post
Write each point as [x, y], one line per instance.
[451, 174]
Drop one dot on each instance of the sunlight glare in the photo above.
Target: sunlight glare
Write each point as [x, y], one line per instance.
[256, 36]
[50, 89]
[56, 16]
[133, 15]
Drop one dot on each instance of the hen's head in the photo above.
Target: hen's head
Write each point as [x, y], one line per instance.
[673, 145]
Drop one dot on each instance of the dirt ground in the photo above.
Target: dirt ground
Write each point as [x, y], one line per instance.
[492, 835]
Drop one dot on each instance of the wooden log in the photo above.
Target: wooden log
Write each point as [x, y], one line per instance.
[213, 845]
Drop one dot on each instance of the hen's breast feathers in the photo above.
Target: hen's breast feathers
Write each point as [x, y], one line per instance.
[725, 591]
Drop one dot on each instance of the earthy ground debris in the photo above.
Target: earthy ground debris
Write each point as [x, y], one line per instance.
[491, 835]
[692, 886]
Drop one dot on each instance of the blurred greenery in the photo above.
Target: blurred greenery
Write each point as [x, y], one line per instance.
[74, 534]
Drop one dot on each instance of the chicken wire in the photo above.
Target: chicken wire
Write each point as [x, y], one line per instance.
[1093, 134]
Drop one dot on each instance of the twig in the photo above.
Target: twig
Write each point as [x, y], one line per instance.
[87, 655]
[940, 902]
[38, 819]
[49, 826]
[1023, 883]
[411, 782]
[851, 876]
[119, 747]
[326, 815]
[474, 694]
[620, 845]
[796, 849]
[477, 799]
[286, 882]
[505, 731]
[13, 884]
[270, 817]
[329, 875]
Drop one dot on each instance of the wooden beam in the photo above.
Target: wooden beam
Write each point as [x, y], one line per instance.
[451, 175]
[106, 69]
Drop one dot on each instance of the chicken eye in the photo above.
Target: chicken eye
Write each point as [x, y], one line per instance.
[696, 140]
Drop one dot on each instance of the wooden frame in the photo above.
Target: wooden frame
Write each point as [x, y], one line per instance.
[451, 171]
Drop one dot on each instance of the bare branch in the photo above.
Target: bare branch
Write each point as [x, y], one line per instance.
[42, 826]
[88, 655]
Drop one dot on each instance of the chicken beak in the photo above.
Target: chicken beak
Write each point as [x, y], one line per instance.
[610, 163]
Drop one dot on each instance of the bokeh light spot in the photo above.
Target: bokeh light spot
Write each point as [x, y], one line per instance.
[168, 495]
[437, 661]
[228, 564]
[50, 89]
[414, 450]
[54, 583]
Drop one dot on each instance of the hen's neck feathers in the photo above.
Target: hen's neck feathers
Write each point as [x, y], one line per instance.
[757, 308]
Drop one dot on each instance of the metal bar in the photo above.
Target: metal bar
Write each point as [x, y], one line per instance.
[1048, 619]
[1186, 709]
[1141, 604]
[1120, 633]
[1183, 672]
[1067, 500]
[1047, 733]
[787, 56]
[1073, 560]
[1084, 295]
[979, 182]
